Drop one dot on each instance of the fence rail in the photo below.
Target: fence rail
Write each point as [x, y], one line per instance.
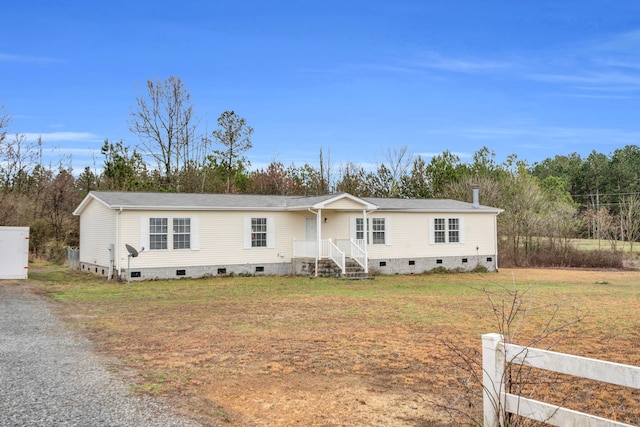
[495, 353]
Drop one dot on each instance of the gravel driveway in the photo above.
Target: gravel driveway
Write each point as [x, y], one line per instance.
[50, 377]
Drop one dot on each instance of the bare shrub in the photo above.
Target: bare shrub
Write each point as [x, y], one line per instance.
[543, 254]
[518, 317]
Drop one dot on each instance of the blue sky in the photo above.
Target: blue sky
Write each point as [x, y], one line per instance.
[355, 78]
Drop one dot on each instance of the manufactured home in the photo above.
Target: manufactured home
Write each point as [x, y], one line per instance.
[177, 235]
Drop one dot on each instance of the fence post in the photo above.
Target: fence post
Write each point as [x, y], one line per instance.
[493, 359]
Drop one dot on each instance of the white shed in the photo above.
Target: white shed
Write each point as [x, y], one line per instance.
[14, 252]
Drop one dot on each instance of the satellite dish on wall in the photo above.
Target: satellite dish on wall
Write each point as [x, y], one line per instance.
[132, 251]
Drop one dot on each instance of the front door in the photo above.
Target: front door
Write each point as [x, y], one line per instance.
[310, 229]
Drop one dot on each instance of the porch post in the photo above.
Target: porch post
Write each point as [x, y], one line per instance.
[366, 237]
[318, 237]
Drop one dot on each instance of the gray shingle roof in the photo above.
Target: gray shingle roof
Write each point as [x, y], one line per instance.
[190, 201]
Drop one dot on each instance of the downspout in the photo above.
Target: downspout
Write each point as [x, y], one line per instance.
[117, 250]
[318, 237]
[318, 243]
[495, 227]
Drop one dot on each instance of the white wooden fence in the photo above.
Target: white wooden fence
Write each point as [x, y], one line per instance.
[495, 353]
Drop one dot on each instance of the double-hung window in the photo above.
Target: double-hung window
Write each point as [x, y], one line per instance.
[360, 230]
[375, 232]
[169, 233]
[439, 230]
[258, 232]
[158, 233]
[378, 232]
[447, 230]
[454, 230]
[181, 233]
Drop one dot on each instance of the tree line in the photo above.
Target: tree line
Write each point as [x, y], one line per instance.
[545, 204]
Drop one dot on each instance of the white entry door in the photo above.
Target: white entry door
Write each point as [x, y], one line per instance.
[310, 229]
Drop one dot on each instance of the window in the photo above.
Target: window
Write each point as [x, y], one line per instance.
[378, 231]
[454, 230]
[258, 232]
[438, 227]
[181, 233]
[360, 233]
[447, 230]
[172, 233]
[158, 233]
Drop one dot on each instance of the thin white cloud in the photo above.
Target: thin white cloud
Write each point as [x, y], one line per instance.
[609, 64]
[601, 79]
[460, 65]
[7, 57]
[64, 137]
[625, 42]
[551, 133]
[433, 61]
[619, 64]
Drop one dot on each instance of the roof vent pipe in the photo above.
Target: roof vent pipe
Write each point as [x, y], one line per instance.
[476, 196]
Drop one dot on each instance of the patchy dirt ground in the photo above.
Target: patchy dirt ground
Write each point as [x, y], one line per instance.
[285, 352]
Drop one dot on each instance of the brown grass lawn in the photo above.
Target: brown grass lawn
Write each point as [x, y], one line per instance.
[280, 351]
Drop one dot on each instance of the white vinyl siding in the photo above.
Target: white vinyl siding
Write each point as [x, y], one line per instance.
[195, 233]
[98, 230]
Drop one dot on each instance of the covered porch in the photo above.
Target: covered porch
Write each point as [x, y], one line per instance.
[334, 230]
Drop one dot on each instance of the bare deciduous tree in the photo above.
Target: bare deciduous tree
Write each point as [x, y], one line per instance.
[389, 176]
[166, 125]
[630, 219]
[5, 120]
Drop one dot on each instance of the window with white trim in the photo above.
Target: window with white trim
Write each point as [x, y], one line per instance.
[378, 232]
[360, 232]
[438, 230]
[447, 230]
[454, 230]
[258, 232]
[181, 233]
[158, 233]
